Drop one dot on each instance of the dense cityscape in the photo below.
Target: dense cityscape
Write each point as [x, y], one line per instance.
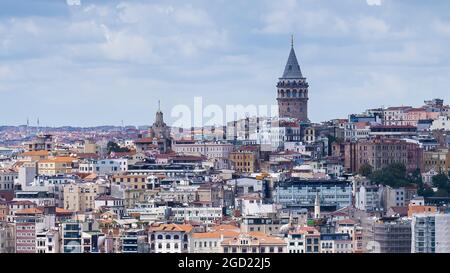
[373, 182]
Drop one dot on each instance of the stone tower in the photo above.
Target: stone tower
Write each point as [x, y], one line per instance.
[317, 206]
[293, 90]
[159, 129]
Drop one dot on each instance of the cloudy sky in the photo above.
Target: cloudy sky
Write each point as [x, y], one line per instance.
[93, 62]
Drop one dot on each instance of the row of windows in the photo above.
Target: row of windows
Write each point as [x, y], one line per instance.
[168, 246]
[167, 237]
[6, 186]
[253, 249]
[205, 244]
[7, 177]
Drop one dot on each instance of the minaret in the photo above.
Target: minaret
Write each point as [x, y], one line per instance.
[292, 90]
[317, 206]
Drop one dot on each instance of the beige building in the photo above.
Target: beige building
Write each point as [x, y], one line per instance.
[437, 160]
[32, 156]
[81, 197]
[210, 193]
[245, 159]
[210, 242]
[137, 182]
[90, 147]
[56, 165]
[254, 242]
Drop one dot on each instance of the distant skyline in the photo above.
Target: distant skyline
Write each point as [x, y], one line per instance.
[87, 63]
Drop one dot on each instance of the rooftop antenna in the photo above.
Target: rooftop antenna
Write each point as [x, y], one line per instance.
[292, 40]
[159, 106]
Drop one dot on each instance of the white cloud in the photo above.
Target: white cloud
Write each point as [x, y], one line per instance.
[371, 27]
[5, 72]
[441, 27]
[374, 2]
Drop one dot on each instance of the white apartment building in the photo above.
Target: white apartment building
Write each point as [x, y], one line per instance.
[27, 173]
[7, 178]
[368, 198]
[169, 238]
[336, 243]
[48, 241]
[395, 115]
[430, 233]
[149, 213]
[207, 215]
[255, 206]
[212, 150]
[442, 123]
[104, 166]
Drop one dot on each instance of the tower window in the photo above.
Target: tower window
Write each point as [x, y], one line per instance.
[290, 67]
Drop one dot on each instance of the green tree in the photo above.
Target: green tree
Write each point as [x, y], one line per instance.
[425, 191]
[441, 181]
[393, 175]
[114, 147]
[441, 193]
[365, 170]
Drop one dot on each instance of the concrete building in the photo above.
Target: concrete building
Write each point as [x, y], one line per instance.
[391, 235]
[110, 203]
[48, 241]
[42, 142]
[336, 243]
[71, 236]
[303, 192]
[134, 241]
[104, 166]
[304, 240]
[270, 224]
[430, 233]
[396, 197]
[57, 165]
[442, 123]
[207, 215]
[7, 178]
[7, 238]
[27, 173]
[437, 160]
[368, 198]
[81, 197]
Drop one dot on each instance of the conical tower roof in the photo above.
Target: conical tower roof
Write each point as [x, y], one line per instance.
[292, 69]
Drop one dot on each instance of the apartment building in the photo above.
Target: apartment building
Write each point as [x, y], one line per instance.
[254, 242]
[56, 166]
[169, 238]
[81, 197]
[430, 233]
[381, 152]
